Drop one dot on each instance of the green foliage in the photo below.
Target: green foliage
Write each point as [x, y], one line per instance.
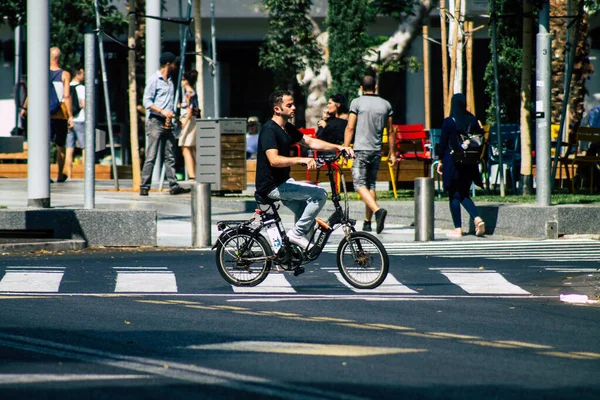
[68, 22]
[592, 7]
[509, 44]
[290, 44]
[394, 8]
[347, 23]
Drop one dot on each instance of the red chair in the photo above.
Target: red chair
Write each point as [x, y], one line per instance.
[312, 132]
[411, 144]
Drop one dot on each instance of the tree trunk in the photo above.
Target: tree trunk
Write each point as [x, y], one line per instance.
[526, 181]
[133, 114]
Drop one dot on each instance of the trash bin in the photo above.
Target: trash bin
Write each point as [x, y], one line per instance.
[221, 154]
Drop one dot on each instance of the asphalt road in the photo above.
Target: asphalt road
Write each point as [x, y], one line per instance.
[463, 322]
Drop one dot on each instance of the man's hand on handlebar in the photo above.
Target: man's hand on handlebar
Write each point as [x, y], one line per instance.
[309, 162]
[348, 150]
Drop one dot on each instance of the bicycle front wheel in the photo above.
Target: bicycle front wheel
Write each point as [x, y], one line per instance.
[362, 260]
[243, 259]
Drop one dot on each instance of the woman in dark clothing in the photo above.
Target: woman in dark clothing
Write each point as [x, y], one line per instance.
[458, 178]
[333, 124]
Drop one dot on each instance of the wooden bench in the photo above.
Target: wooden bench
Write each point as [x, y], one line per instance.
[590, 135]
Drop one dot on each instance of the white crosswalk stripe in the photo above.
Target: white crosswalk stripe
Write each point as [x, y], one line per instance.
[145, 280]
[475, 281]
[31, 279]
[274, 283]
[586, 250]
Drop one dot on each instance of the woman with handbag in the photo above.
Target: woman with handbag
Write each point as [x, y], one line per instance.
[457, 174]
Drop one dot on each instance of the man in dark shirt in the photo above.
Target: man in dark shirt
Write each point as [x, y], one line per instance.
[273, 166]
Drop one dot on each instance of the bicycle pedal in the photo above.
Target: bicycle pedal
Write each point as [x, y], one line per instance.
[298, 271]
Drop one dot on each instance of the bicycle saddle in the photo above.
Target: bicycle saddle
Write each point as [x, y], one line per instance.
[260, 199]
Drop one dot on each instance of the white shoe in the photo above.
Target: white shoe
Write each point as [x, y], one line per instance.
[299, 240]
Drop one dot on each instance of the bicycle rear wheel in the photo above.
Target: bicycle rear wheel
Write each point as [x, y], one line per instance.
[242, 259]
[362, 260]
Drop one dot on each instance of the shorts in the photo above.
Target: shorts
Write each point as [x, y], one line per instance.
[76, 135]
[58, 131]
[365, 167]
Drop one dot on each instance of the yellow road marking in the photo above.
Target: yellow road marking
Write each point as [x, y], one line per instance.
[360, 326]
[282, 314]
[395, 327]
[248, 312]
[182, 302]
[329, 319]
[300, 319]
[491, 344]
[309, 349]
[234, 308]
[201, 307]
[587, 354]
[573, 355]
[452, 335]
[154, 301]
[422, 335]
[524, 344]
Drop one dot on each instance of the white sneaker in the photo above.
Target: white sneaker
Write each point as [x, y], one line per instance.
[299, 240]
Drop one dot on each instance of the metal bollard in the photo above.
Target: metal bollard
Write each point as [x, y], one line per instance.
[201, 235]
[424, 211]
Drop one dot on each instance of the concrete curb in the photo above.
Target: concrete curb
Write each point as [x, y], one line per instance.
[515, 220]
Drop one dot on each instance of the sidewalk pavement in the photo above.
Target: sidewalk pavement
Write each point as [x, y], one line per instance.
[174, 226]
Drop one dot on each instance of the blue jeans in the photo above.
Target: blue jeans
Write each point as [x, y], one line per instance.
[304, 199]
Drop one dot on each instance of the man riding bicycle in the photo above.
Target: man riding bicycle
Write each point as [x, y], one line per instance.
[273, 167]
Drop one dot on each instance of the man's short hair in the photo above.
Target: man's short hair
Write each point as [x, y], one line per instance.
[368, 83]
[276, 98]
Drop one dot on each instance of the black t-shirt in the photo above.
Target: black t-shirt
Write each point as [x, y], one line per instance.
[271, 136]
[333, 131]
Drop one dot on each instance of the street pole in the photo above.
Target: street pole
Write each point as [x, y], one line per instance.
[38, 112]
[153, 41]
[17, 75]
[90, 120]
[497, 96]
[199, 54]
[106, 99]
[543, 72]
[213, 35]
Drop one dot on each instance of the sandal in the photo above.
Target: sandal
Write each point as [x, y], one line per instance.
[480, 230]
[454, 234]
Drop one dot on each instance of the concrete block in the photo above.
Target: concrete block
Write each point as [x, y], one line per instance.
[98, 227]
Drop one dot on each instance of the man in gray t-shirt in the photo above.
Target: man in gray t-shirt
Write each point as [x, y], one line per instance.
[369, 115]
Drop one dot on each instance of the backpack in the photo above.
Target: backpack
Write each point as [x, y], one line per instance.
[594, 117]
[76, 106]
[54, 102]
[463, 154]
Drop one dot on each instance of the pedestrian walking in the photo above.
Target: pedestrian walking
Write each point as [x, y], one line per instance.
[457, 177]
[253, 127]
[159, 99]
[369, 116]
[76, 135]
[189, 113]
